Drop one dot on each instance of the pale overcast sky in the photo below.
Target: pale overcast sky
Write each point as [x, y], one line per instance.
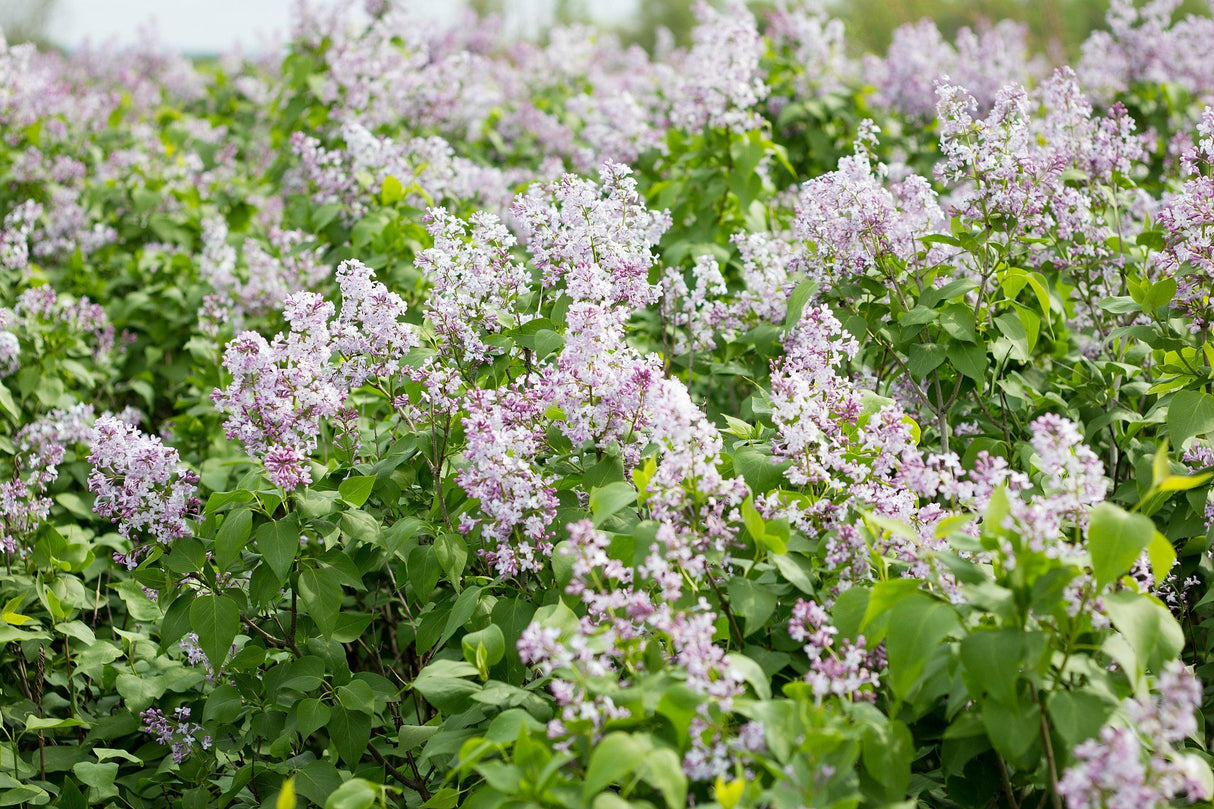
[215, 25]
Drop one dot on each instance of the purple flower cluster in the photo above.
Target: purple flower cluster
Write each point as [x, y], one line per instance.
[282, 390]
[475, 284]
[39, 308]
[843, 669]
[140, 484]
[504, 433]
[369, 333]
[1188, 221]
[1139, 764]
[595, 239]
[40, 447]
[19, 224]
[812, 407]
[983, 61]
[427, 170]
[719, 83]
[177, 732]
[1072, 481]
[269, 276]
[699, 313]
[1142, 44]
[853, 221]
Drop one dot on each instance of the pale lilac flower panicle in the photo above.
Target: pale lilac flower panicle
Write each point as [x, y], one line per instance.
[1139, 764]
[14, 240]
[177, 733]
[983, 60]
[1188, 222]
[40, 448]
[10, 344]
[811, 405]
[700, 313]
[505, 433]
[841, 669]
[814, 41]
[852, 221]
[474, 282]
[140, 484]
[597, 239]
[369, 333]
[771, 270]
[720, 82]
[282, 390]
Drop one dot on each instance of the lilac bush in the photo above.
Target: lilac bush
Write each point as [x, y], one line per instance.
[420, 416]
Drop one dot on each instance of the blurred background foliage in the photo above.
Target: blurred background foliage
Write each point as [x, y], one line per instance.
[27, 21]
[1057, 27]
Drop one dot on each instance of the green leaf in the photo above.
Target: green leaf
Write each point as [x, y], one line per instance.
[357, 695]
[49, 723]
[317, 780]
[216, 620]
[223, 705]
[278, 543]
[356, 489]
[409, 737]
[444, 684]
[920, 623]
[321, 597]
[461, 612]
[360, 526]
[753, 602]
[1077, 715]
[663, 770]
[1159, 295]
[758, 470]
[797, 301]
[310, 716]
[1014, 731]
[992, 661]
[350, 732]
[98, 777]
[232, 536]
[1190, 413]
[606, 501]
[888, 752]
[390, 192]
[797, 570]
[490, 639]
[614, 759]
[969, 359]
[286, 795]
[451, 550]
[355, 793]
[923, 358]
[1162, 557]
[1147, 625]
[1116, 538]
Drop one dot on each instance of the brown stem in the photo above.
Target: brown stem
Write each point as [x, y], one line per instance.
[417, 785]
[733, 623]
[1050, 762]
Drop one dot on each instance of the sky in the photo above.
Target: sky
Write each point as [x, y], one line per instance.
[215, 25]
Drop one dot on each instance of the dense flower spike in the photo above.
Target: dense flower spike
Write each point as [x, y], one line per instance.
[282, 390]
[1138, 765]
[720, 82]
[504, 436]
[140, 484]
[476, 284]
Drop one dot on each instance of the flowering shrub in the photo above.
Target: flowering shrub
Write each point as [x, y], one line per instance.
[416, 418]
